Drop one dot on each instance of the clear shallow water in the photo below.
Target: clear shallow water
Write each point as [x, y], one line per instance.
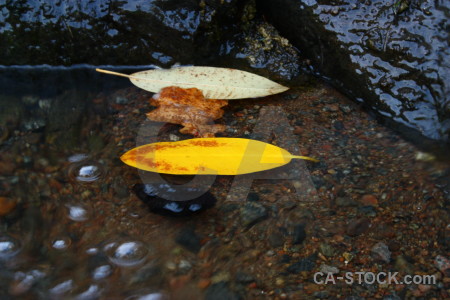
[76, 230]
[53, 244]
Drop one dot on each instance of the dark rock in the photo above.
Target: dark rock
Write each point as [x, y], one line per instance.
[159, 204]
[338, 125]
[305, 264]
[243, 277]
[251, 213]
[345, 201]
[299, 234]
[275, 239]
[253, 197]
[397, 62]
[380, 252]
[403, 265]
[442, 264]
[189, 239]
[368, 210]
[358, 226]
[321, 294]
[110, 32]
[327, 250]
[392, 297]
[220, 291]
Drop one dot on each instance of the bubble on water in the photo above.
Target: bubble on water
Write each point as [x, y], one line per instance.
[86, 171]
[149, 296]
[77, 157]
[62, 288]
[126, 253]
[90, 292]
[102, 272]
[92, 251]
[77, 212]
[9, 246]
[23, 281]
[61, 243]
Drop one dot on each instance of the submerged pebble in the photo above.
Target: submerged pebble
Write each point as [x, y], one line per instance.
[157, 204]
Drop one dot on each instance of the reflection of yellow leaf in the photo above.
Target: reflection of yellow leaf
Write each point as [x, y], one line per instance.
[221, 156]
[215, 83]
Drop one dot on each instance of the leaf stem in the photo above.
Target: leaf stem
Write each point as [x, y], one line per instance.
[113, 73]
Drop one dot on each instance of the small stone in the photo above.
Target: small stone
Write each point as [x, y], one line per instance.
[325, 269]
[221, 277]
[327, 250]
[275, 239]
[252, 213]
[345, 201]
[338, 125]
[402, 265]
[369, 200]
[174, 137]
[243, 277]
[442, 264]
[279, 282]
[6, 167]
[305, 264]
[6, 206]
[422, 156]
[299, 234]
[121, 100]
[380, 251]
[368, 210]
[184, 266]
[203, 283]
[424, 287]
[220, 291]
[321, 294]
[345, 108]
[358, 226]
[298, 130]
[189, 239]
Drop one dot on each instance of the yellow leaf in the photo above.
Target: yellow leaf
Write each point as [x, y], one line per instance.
[215, 83]
[208, 156]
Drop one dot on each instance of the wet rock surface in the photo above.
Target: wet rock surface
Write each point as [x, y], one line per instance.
[110, 32]
[391, 55]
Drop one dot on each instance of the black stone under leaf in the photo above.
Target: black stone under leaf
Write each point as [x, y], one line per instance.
[159, 205]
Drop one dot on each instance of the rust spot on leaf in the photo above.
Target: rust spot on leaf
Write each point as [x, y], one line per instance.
[205, 143]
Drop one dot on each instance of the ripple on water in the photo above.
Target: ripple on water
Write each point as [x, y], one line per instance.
[126, 253]
[9, 246]
[86, 171]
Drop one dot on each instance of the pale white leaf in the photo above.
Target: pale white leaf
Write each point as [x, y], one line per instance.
[215, 83]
